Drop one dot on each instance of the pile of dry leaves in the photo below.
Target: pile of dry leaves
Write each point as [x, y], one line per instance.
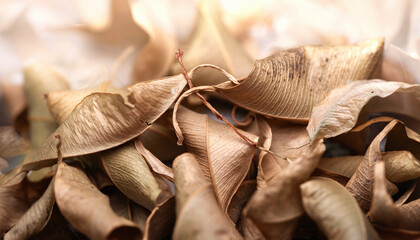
[311, 142]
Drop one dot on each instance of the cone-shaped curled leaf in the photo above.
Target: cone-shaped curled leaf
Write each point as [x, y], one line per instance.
[335, 211]
[161, 221]
[36, 218]
[102, 120]
[276, 208]
[289, 83]
[400, 166]
[221, 49]
[339, 112]
[223, 156]
[199, 215]
[385, 212]
[40, 80]
[129, 171]
[87, 209]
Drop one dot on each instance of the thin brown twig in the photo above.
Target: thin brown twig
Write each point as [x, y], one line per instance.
[178, 56]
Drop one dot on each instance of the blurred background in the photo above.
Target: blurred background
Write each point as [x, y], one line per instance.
[90, 41]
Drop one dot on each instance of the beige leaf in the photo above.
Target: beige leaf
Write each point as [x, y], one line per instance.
[276, 208]
[389, 233]
[334, 210]
[40, 80]
[14, 98]
[87, 209]
[36, 218]
[240, 198]
[290, 83]
[130, 173]
[339, 112]
[360, 184]
[383, 210]
[102, 120]
[400, 166]
[199, 215]
[11, 143]
[62, 103]
[221, 49]
[13, 202]
[155, 164]
[223, 156]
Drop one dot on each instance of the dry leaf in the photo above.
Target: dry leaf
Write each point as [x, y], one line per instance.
[87, 209]
[62, 103]
[161, 221]
[339, 112]
[129, 171]
[36, 218]
[401, 166]
[360, 184]
[240, 198]
[11, 143]
[221, 49]
[223, 156]
[14, 97]
[102, 120]
[290, 83]
[13, 202]
[155, 164]
[335, 211]
[276, 208]
[383, 210]
[199, 215]
[389, 233]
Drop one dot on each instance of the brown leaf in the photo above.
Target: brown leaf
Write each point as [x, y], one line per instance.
[129, 171]
[13, 202]
[161, 221]
[199, 215]
[383, 210]
[154, 163]
[221, 49]
[401, 165]
[240, 198]
[11, 143]
[223, 156]
[102, 120]
[276, 208]
[36, 218]
[334, 210]
[14, 97]
[87, 209]
[389, 233]
[360, 184]
[290, 83]
[339, 112]
[62, 103]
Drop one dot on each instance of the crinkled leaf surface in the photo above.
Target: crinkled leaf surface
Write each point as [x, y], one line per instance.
[102, 120]
[290, 83]
[223, 156]
[339, 112]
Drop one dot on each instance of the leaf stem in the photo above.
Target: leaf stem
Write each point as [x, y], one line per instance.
[178, 56]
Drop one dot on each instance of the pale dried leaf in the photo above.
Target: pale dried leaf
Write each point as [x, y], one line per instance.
[87, 209]
[102, 120]
[129, 171]
[36, 218]
[11, 143]
[276, 208]
[339, 112]
[223, 156]
[199, 216]
[161, 221]
[290, 83]
[334, 210]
